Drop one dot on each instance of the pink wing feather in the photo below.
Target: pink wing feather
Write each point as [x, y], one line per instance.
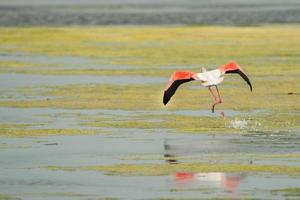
[175, 81]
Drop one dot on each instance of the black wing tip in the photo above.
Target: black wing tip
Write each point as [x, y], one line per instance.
[243, 75]
[249, 83]
[165, 98]
[172, 89]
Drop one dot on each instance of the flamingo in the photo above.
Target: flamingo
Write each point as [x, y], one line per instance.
[208, 79]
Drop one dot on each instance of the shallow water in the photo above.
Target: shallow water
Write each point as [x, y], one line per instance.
[72, 118]
[12, 80]
[244, 148]
[59, 62]
[24, 174]
[231, 12]
[92, 185]
[24, 161]
[45, 59]
[25, 164]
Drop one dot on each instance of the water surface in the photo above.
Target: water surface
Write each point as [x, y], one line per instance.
[24, 174]
[12, 80]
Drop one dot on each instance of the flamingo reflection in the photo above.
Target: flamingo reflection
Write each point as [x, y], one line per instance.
[227, 181]
[169, 158]
[213, 179]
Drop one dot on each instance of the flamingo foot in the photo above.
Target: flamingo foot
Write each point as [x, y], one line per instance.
[214, 104]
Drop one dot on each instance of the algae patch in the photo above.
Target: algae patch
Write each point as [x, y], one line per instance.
[268, 54]
[158, 46]
[25, 130]
[288, 192]
[8, 197]
[164, 169]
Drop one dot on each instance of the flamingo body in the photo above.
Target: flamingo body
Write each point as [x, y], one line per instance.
[209, 78]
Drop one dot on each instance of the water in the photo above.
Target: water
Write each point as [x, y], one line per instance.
[60, 62]
[91, 185]
[23, 163]
[240, 149]
[116, 12]
[72, 118]
[12, 80]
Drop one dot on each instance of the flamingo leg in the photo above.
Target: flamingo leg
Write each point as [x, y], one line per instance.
[214, 98]
[217, 97]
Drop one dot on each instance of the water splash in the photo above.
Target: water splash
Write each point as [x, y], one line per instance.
[238, 124]
[246, 124]
[255, 127]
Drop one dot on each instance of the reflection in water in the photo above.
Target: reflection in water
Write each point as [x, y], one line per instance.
[228, 181]
[169, 158]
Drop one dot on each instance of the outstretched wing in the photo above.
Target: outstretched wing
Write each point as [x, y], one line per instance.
[243, 75]
[175, 81]
[232, 67]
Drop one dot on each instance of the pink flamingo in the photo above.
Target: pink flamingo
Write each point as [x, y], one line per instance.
[208, 78]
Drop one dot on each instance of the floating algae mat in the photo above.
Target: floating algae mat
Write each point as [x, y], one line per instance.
[81, 113]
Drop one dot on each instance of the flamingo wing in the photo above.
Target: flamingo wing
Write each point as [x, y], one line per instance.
[233, 67]
[175, 81]
[242, 74]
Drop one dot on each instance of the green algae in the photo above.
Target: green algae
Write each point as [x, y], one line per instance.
[288, 192]
[71, 195]
[262, 51]
[240, 157]
[25, 130]
[143, 157]
[64, 194]
[264, 123]
[289, 155]
[178, 123]
[281, 114]
[20, 146]
[191, 167]
[56, 168]
[4, 126]
[155, 72]
[8, 197]
[165, 169]
[269, 54]
[146, 96]
[14, 65]
[95, 96]
[25, 67]
[45, 132]
[163, 46]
